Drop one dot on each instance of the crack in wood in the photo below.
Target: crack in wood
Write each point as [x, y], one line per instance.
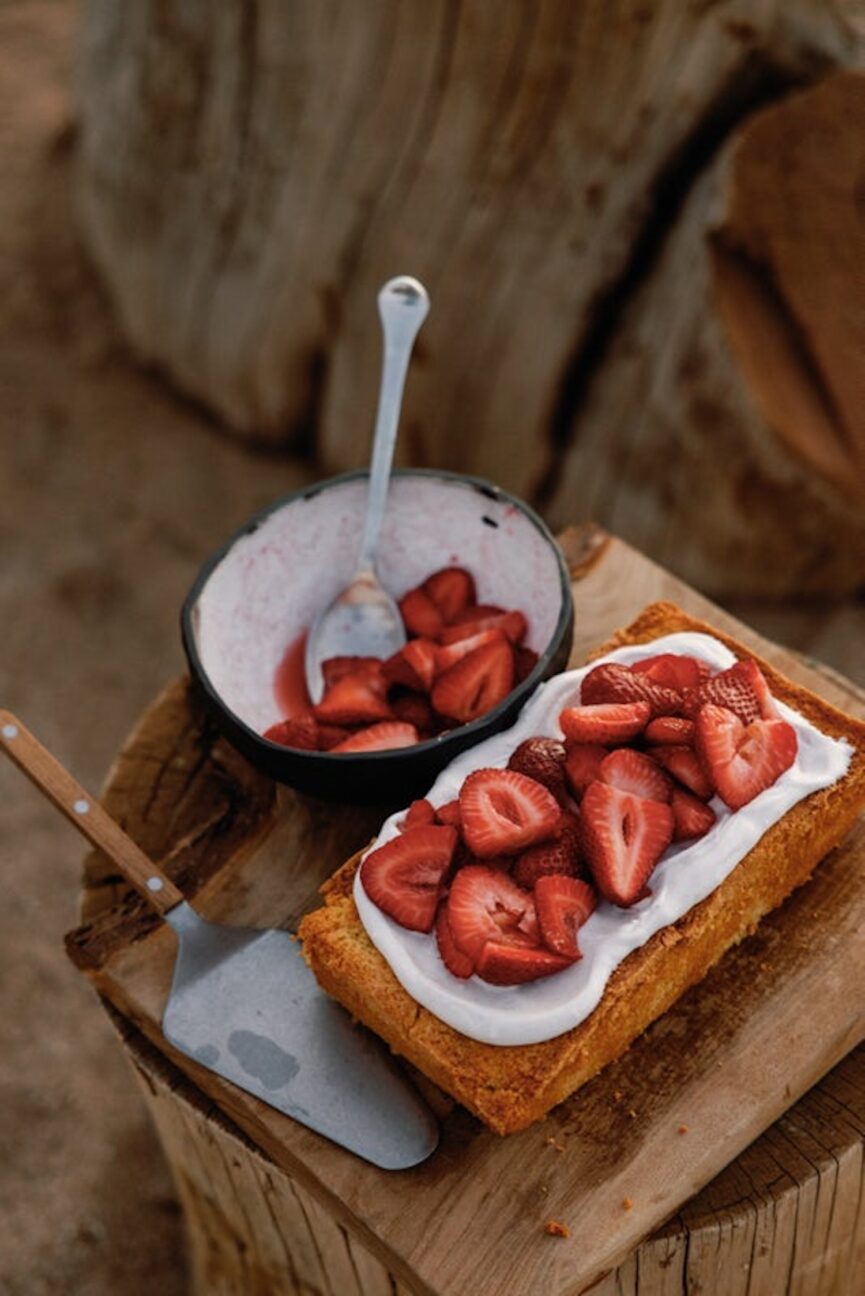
[757, 81]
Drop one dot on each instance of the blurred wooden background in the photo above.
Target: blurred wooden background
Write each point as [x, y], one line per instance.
[642, 226]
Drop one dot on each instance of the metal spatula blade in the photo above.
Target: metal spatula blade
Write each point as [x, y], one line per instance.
[288, 1043]
[244, 1004]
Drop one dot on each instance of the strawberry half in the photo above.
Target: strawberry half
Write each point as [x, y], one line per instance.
[419, 812]
[563, 904]
[743, 760]
[512, 624]
[613, 682]
[674, 670]
[448, 655]
[742, 689]
[451, 955]
[404, 877]
[299, 731]
[473, 686]
[674, 730]
[561, 854]
[414, 666]
[542, 759]
[358, 698]
[503, 812]
[449, 813]
[452, 589]
[583, 765]
[692, 818]
[631, 771]
[624, 837]
[335, 668]
[515, 965]
[415, 709]
[685, 765]
[485, 905]
[420, 614]
[609, 722]
[378, 737]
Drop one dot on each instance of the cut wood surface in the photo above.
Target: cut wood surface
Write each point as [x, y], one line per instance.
[251, 175]
[786, 1211]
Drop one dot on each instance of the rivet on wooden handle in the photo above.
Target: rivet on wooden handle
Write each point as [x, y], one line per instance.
[86, 814]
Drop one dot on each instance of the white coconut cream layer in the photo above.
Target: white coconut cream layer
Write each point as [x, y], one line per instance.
[685, 875]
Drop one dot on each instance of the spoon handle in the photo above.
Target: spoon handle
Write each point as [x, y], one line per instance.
[87, 815]
[402, 305]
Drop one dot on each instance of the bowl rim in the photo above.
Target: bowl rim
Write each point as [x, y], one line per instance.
[345, 759]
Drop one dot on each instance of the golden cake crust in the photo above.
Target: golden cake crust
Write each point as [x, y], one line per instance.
[511, 1086]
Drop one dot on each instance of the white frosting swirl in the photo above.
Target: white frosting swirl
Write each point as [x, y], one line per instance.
[686, 873]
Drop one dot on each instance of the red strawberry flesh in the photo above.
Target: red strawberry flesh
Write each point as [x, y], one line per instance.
[475, 684]
[563, 904]
[608, 723]
[631, 771]
[452, 589]
[742, 760]
[513, 965]
[692, 818]
[405, 876]
[485, 905]
[503, 812]
[561, 854]
[614, 682]
[583, 765]
[624, 837]
[387, 736]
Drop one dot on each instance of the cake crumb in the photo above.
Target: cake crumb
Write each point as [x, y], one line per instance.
[560, 1147]
[555, 1228]
[632, 1112]
[683, 1129]
[617, 1095]
[626, 1203]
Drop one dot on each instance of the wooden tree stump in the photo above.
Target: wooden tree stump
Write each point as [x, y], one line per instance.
[557, 174]
[787, 1215]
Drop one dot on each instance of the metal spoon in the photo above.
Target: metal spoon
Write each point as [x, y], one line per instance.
[364, 621]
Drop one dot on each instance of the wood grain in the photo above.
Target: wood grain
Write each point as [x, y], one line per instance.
[555, 174]
[472, 1218]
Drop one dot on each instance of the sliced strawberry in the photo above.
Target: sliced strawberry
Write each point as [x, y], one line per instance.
[609, 722]
[420, 614]
[477, 612]
[329, 735]
[452, 590]
[503, 812]
[743, 760]
[515, 965]
[742, 689]
[299, 731]
[415, 709]
[512, 624]
[542, 759]
[419, 812]
[674, 670]
[448, 655]
[473, 686]
[685, 765]
[451, 955]
[335, 668]
[563, 904]
[485, 905]
[583, 765]
[449, 813]
[624, 837]
[631, 771]
[525, 661]
[563, 854]
[358, 698]
[404, 877]
[613, 682]
[671, 729]
[692, 818]
[386, 736]
[414, 666]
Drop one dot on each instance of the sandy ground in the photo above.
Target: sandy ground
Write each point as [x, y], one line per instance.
[113, 492]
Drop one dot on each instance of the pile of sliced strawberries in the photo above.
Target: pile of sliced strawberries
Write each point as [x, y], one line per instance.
[506, 874]
[462, 658]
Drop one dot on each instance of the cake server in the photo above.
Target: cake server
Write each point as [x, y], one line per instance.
[244, 1004]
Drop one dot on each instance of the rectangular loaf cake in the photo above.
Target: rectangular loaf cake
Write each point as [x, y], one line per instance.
[511, 1086]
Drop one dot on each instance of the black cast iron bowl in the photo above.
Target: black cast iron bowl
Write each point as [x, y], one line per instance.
[256, 595]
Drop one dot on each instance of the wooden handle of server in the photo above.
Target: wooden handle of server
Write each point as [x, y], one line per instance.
[87, 815]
